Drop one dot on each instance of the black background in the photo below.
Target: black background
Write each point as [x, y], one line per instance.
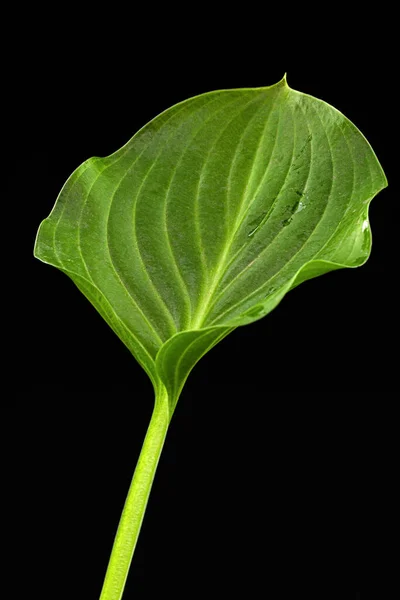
[280, 449]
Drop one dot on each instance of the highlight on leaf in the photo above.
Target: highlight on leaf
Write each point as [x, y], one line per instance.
[203, 222]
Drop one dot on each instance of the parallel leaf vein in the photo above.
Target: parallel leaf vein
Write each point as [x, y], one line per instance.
[268, 281]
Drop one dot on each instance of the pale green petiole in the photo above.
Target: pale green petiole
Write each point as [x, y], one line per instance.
[136, 501]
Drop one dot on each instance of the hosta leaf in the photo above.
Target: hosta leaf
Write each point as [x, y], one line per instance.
[209, 215]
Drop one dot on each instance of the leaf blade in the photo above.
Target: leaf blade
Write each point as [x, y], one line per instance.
[209, 215]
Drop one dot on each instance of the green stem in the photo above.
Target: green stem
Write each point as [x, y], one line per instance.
[136, 501]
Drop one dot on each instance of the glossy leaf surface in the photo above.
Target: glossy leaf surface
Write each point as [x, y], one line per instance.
[207, 217]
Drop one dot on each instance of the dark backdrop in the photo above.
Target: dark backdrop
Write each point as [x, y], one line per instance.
[282, 435]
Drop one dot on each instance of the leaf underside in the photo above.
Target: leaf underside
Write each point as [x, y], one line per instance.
[209, 215]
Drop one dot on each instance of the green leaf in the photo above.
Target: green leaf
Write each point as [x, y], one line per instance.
[201, 223]
[209, 215]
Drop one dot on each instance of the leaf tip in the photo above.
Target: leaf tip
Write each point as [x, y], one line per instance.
[283, 81]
